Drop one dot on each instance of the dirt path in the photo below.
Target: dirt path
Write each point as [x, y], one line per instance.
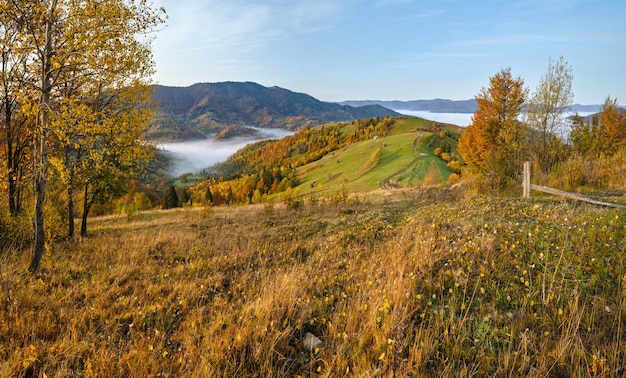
[387, 183]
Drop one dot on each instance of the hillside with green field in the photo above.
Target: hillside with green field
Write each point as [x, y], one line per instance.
[360, 156]
[404, 158]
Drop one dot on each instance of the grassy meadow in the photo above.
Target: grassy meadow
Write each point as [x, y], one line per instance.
[404, 158]
[413, 283]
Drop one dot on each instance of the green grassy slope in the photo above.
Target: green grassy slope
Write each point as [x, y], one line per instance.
[404, 158]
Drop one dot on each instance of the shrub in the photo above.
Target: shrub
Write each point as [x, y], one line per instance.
[453, 178]
[455, 166]
[433, 175]
[446, 156]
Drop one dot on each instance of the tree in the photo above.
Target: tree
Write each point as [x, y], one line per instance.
[185, 198]
[170, 200]
[229, 196]
[98, 144]
[15, 136]
[68, 45]
[492, 144]
[208, 195]
[545, 113]
[611, 132]
[582, 136]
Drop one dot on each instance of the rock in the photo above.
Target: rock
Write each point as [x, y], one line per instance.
[311, 342]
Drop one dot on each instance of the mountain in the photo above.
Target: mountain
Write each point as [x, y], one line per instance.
[586, 108]
[439, 105]
[205, 109]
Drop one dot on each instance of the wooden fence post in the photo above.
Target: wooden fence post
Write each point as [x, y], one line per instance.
[526, 180]
[528, 186]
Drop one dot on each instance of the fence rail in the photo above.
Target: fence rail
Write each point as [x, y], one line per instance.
[527, 187]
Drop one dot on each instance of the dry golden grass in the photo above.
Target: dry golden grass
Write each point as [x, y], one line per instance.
[407, 283]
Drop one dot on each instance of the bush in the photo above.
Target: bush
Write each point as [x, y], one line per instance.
[454, 178]
[446, 156]
[455, 166]
[433, 175]
[15, 233]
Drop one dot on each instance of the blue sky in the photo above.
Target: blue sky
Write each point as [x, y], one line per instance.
[340, 50]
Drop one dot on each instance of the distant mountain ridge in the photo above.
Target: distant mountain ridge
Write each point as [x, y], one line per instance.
[439, 105]
[205, 109]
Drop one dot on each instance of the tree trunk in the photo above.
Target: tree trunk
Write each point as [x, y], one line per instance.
[8, 115]
[70, 211]
[40, 148]
[86, 208]
[10, 163]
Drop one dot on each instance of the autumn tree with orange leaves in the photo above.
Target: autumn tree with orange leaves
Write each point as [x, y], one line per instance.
[611, 133]
[492, 145]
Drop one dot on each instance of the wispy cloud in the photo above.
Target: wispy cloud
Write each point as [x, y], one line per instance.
[218, 24]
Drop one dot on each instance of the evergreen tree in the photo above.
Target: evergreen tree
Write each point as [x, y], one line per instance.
[208, 196]
[184, 198]
[170, 200]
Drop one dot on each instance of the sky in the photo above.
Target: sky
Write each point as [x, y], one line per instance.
[336, 50]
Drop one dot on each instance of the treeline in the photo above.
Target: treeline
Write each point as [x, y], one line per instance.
[74, 99]
[511, 126]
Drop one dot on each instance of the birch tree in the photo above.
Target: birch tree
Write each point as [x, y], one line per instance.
[546, 114]
[72, 44]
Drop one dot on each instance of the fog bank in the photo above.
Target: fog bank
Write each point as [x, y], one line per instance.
[194, 156]
[460, 119]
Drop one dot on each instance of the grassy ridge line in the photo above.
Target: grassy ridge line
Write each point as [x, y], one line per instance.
[418, 283]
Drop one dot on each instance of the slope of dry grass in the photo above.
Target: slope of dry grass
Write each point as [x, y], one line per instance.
[415, 283]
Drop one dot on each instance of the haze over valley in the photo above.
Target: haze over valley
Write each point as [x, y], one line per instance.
[195, 155]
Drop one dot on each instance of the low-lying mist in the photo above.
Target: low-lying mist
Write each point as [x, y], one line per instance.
[465, 119]
[459, 119]
[194, 156]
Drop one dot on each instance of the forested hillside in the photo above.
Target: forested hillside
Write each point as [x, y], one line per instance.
[205, 109]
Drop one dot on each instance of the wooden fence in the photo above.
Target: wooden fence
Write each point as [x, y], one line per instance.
[527, 187]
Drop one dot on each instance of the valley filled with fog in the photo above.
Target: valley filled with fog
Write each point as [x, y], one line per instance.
[194, 156]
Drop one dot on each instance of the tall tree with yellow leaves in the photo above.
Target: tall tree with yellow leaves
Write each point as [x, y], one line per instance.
[492, 144]
[611, 131]
[72, 44]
